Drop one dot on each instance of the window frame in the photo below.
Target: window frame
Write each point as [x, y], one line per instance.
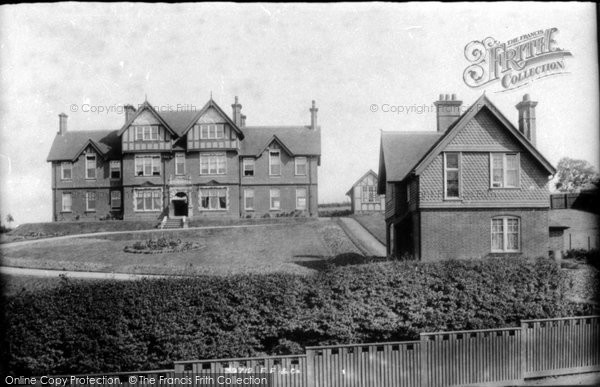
[365, 193]
[246, 197]
[64, 195]
[300, 189]
[63, 169]
[212, 131]
[248, 162]
[179, 155]
[505, 234]
[296, 159]
[90, 196]
[139, 159]
[216, 188]
[213, 160]
[152, 196]
[271, 197]
[505, 170]
[111, 170]
[272, 152]
[88, 157]
[458, 173]
[112, 200]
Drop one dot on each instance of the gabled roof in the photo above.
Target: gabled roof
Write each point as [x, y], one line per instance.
[402, 150]
[68, 146]
[297, 140]
[146, 106]
[482, 103]
[214, 105]
[403, 153]
[369, 172]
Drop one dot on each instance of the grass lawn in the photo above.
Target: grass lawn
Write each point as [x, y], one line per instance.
[30, 231]
[291, 247]
[374, 223]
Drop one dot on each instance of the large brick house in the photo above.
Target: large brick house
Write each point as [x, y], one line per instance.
[475, 187]
[185, 164]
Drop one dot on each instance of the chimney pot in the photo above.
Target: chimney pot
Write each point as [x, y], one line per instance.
[62, 123]
[313, 116]
[237, 112]
[447, 111]
[243, 120]
[129, 112]
[526, 110]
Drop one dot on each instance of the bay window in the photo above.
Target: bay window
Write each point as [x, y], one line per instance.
[148, 200]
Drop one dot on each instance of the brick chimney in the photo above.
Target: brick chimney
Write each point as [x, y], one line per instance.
[62, 124]
[447, 111]
[129, 112]
[243, 120]
[313, 116]
[237, 112]
[526, 110]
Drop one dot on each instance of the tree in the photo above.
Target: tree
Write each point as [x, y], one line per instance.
[9, 219]
[575, 175]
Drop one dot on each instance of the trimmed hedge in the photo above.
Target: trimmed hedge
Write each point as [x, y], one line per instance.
[112, 326]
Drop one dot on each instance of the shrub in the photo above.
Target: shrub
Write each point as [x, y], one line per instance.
[85, 327]
[591, 257]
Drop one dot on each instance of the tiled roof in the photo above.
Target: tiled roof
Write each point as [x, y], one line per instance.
[69, 145]
[300, 140]
[179, 121]
[403, 150]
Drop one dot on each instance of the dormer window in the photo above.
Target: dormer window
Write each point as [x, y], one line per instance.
[212, 131]
[274, 163]
[90, 166]
[146, 133]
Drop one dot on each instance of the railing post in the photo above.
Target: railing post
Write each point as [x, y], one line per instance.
[523, 346]
[423, 361]
[310, 368]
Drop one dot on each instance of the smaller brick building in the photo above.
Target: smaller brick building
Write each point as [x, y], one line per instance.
[475, 187]
[363, 195]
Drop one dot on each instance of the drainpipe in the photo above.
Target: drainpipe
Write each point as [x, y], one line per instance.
[310, 186]
[240, 166]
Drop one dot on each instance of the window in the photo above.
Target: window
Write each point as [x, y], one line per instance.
[248, 199]
[451, 175]
[179, 163]
[248, 165]
[146, 133]
[300, 166]
[115, 169]
[66, 170]
[275, 202]
[67, 202]
[212, 131]
[407, 192]
[274, 163]
[301, 198]
[147, 165]
[115, 199]
[90, 166]
[148, 200]
[213, 164]
[90, 201]
[213, 198]
[504, 170]
[506, 232]
[369, 193]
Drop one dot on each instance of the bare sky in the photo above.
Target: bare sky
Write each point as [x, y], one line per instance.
[276, 58]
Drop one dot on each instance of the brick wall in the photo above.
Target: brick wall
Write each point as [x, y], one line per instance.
[78, 206]
[464, 234]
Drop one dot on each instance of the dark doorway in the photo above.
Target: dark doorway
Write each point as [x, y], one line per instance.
[180, 204]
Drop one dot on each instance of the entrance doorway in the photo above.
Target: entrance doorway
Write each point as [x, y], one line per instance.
[180, 204]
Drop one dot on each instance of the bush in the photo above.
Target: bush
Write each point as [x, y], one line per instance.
[591, 257]
[83, 327]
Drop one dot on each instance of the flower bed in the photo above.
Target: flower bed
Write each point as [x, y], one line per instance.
[161, 245]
